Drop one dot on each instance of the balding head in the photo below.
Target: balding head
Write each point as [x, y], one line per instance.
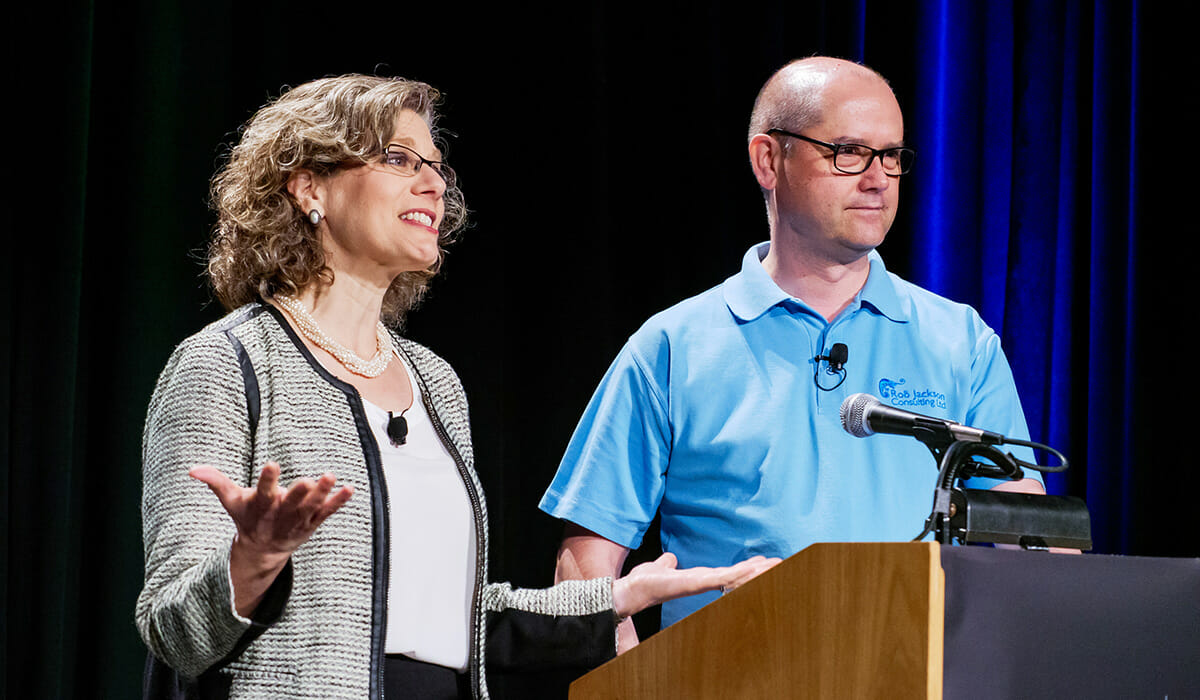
[814, 208]
[794, 97]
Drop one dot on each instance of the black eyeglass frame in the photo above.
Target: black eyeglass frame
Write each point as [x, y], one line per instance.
[904, 155]
[444, 171]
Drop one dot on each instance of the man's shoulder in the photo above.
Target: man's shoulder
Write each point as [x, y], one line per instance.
[927, 305]
[696, 313]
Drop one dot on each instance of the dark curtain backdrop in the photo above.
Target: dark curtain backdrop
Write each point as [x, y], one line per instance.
[602, 151]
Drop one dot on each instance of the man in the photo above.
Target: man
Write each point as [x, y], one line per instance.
[722, 412]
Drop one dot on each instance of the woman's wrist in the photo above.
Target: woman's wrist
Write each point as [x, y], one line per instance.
[248, 562]
[620, 596]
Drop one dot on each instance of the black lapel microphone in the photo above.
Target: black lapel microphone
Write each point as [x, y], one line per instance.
[836, 357]
[837, 360]
[397, 429]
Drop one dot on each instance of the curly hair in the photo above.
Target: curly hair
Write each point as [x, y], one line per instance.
[262, 243]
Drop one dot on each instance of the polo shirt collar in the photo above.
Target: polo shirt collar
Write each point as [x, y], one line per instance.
[880, 292]
[751, 292]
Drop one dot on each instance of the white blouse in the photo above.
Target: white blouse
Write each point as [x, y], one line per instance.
[432, 542]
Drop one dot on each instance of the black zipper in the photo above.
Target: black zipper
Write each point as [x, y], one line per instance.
[477, 511]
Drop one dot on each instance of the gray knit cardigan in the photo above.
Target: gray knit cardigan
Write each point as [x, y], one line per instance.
[246, 390]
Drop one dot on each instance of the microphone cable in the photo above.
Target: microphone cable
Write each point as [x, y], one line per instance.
[959, 461]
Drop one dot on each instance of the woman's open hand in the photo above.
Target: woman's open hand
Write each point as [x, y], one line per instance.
[658, 581]
[271, 524]
[272, 521]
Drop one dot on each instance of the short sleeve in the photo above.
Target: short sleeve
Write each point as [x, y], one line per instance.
[611, 478]
[995, 405]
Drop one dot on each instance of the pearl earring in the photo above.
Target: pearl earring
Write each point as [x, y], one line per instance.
[314, 217]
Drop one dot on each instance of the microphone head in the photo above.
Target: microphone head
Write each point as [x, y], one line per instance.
[854, 414]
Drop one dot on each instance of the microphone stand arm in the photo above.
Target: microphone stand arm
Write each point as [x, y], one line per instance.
[935, 435]
[955, 460]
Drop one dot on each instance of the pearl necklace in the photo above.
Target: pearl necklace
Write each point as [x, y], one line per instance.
[309, 329]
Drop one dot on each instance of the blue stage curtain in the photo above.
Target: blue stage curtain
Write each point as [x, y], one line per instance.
[1026, 189]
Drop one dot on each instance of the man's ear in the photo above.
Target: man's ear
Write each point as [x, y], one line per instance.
[766, 154]
[302, 185]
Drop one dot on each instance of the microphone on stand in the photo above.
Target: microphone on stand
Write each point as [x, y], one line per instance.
[1033, 521]
[863, 415]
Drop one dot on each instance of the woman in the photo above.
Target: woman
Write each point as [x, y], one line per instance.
[293, 582]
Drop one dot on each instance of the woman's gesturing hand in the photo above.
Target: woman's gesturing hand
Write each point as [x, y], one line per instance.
[658, 581]
[271, 524]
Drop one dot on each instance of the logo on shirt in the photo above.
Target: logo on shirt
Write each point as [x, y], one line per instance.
[895, 393]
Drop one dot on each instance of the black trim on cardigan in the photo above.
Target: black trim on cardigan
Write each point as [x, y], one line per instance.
[379, 503]
[249, 378]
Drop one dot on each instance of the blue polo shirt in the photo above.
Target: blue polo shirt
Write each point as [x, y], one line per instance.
[710, 414]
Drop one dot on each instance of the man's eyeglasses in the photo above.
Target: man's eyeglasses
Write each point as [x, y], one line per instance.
[408, 162]
[855, 158]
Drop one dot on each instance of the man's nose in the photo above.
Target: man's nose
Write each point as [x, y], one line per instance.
[874, 177]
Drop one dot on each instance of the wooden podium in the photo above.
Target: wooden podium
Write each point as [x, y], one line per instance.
[916, 620]
[837, 620]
